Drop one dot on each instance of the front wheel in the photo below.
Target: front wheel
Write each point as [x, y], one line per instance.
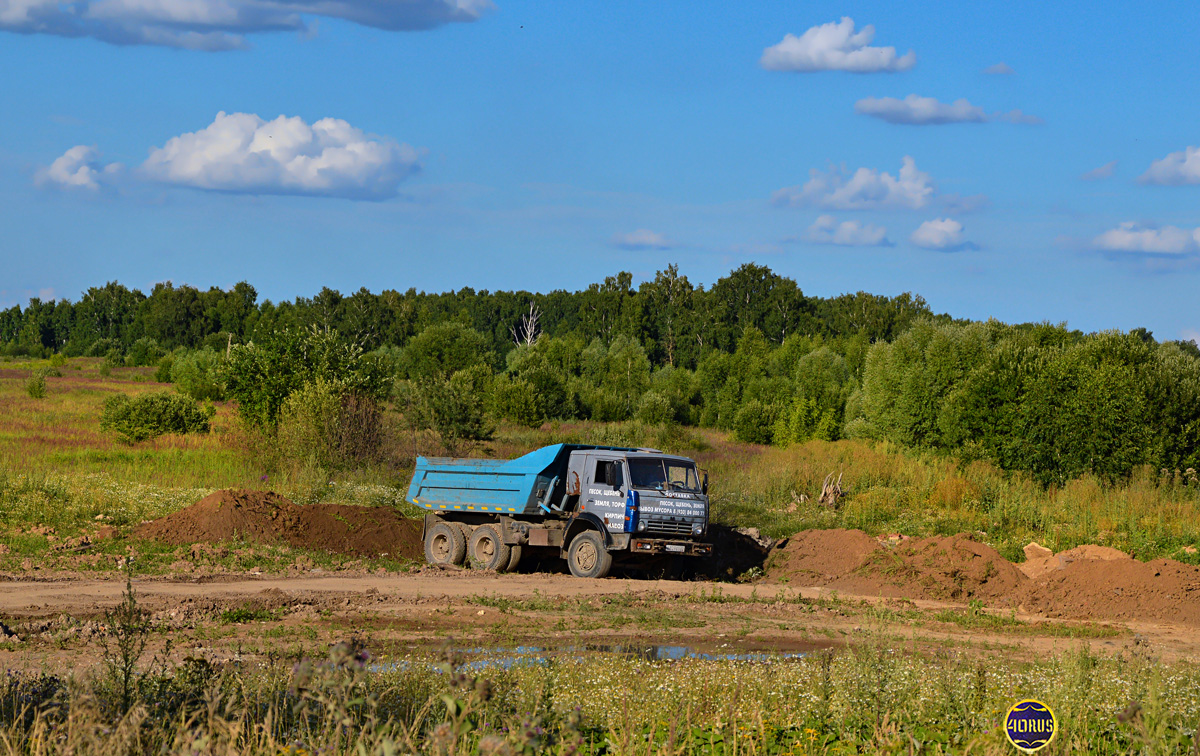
[587, 556]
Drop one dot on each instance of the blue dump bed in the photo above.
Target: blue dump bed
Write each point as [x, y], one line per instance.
[525, 485]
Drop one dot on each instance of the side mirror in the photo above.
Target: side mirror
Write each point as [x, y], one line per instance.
[704, 485]
[610, 475]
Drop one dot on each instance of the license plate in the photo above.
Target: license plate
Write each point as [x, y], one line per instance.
[676, 547]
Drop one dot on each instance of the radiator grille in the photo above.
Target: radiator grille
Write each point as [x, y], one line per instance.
[667, 526]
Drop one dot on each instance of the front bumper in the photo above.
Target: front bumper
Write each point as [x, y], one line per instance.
[669, 546]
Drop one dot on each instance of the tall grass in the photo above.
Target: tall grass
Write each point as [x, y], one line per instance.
[57, 440]
[893, 490]
[867, 699]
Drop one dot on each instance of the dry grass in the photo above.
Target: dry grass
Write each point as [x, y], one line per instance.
[894, 490]
[62, 432]
[55, 461]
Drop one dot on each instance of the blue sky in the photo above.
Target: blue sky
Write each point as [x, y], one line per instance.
[540, 146]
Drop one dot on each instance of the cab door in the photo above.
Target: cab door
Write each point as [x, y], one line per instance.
[604, 495]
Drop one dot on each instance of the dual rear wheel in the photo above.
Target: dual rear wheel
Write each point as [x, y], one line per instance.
[448, 543]
[484, 548]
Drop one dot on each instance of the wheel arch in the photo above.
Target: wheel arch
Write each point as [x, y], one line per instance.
[585, 521]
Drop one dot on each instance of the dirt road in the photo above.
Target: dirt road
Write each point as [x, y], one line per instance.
[53, 596]
[57, 622]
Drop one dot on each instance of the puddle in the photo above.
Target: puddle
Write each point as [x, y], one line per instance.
[478, 658]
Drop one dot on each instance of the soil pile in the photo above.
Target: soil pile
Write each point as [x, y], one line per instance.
[1043, 561]
[266, 517]
[952, 567]
[942, 567]
[1086, 582]
[822, 555]
[1121, 589]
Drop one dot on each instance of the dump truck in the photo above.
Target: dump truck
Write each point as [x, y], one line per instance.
[586, 504]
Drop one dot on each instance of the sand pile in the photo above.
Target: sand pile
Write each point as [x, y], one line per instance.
[1086, 582]
[815, 557]
[947, 567]
[1117, 588]
[266, 517]
[1040, 560]
[952, 567]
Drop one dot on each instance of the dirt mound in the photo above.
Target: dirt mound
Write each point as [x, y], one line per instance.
[1048, 562]
[266, 517]
[944, 567]
[822, 555]
[950, 567]
[1117, 588]
[1086, 582]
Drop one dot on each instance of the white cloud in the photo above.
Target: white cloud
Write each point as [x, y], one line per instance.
[643, 238]
[999, 69]
[826, 230]
[835, 47]
[942, 234]
[1176, 168]
[1018, 116]
[918, 110]
[1139, 238]
[219, 24]
[866, 189]
[1102, 172]
[915, 110]
[78, 168]
[242, 153]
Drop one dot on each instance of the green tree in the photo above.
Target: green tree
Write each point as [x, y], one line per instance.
[260, 375]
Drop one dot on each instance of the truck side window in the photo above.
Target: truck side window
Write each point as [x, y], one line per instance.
[601, 473]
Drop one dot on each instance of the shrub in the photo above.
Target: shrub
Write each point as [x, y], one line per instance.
[101, 347]
[58, 360]
[323, 423]
[804, 420]
[162, 374]
[196, 374]
[655, 409]
[752, 423]
[144, 351]
[516, 399]
[35, 386]
[453, 408]
[113, 359]
[138, 418]
[259, 376]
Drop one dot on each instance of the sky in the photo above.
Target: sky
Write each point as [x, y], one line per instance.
[1027, 161]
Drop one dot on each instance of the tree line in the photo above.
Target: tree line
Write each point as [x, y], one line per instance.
[751, 354]
[676, 321]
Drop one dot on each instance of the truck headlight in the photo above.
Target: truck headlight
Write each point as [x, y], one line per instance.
[697, 528]
[641, 525]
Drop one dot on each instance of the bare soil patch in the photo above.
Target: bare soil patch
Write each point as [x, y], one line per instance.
[942, 567]
[1121, 589]
[267, 517]
[1086, 582]
[822, 555]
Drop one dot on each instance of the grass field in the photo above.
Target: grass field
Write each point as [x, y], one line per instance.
[872, 698]
[62, 479]
[59, 471]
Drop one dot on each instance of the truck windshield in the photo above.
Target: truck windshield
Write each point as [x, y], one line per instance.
[663, 475]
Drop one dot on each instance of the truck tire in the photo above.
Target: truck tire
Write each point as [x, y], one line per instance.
[487, 550]
[515, 559]
[445, 544]
[587, 556]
